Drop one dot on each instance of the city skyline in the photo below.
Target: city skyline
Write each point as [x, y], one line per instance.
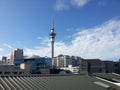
[85, 28]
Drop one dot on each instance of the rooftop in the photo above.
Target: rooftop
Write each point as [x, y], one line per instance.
[92, 60]
[76, 82]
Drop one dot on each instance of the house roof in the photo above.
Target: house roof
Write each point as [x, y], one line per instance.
[76, 82]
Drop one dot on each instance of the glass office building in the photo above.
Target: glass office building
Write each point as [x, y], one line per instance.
[36, 64]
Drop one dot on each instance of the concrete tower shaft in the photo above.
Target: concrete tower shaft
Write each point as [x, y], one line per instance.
[52, 36]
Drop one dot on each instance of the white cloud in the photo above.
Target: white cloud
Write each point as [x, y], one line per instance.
[98, 42]
[61, 5]
[68, 36]
[66, 4]
[39, 38]
[40, 51]
[79, 3]
[1, 49]
[43, 50]
[9, 46]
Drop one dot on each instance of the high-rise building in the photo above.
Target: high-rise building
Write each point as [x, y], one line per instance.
[65, 60]
[4, 60]
[16, 55]
[62, 61]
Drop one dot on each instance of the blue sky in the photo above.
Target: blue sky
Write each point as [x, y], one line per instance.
[86, 28]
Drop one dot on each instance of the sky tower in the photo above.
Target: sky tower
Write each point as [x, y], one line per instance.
[52, 36]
